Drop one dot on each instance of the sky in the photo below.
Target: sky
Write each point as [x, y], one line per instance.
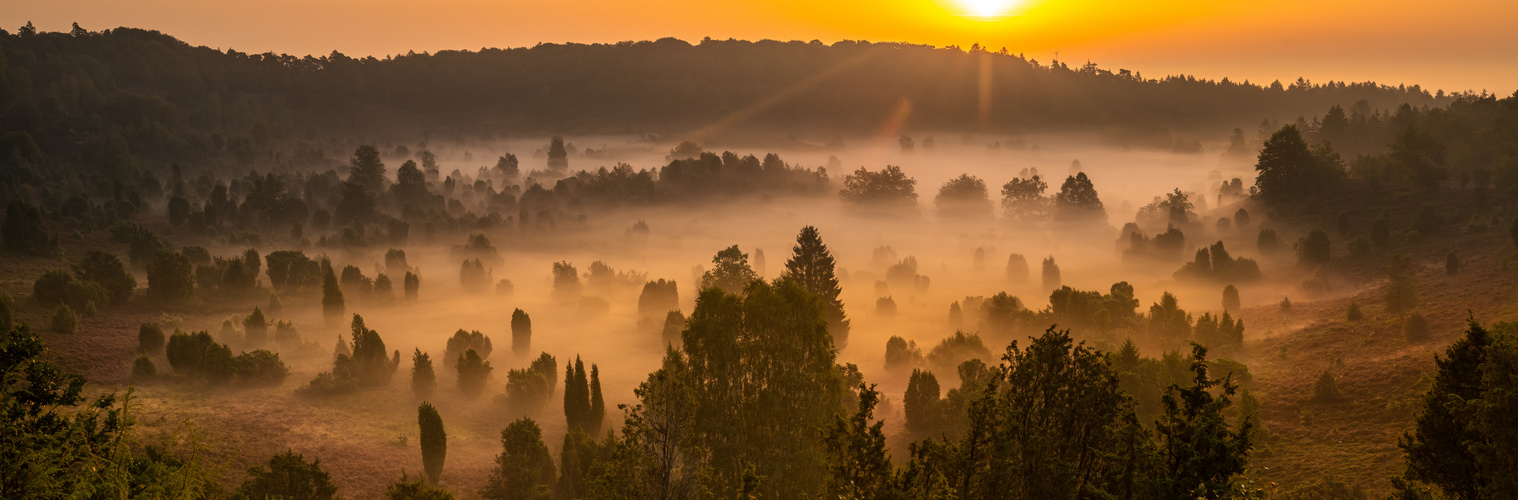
[1455, 45]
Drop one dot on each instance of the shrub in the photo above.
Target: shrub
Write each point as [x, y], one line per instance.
[955, 349]
[23, 232]
[1241, 218]
[288, 476]
[1267, 242]
[1325, 389]
[1315, 249]
[170, 277]
[143, 369]
[473, 276]
[64, 319]
[547, 366]
[1354, 312]
[406, 489]
[433, 440]
[1415, 327]
[1286, 304]
[107, 270]
[413, 285]
[465, 341]
[259, 368]
[473, 372]
[58, 287]
[521, 332]
[902, 354]
[504, 288]
[423, 378]
[255, 329]
[1451, 264]
[1051, 274]
[526, 391]
[524, 468]
[658, 297]
[149, 339]
[1230, 298]
[1017, 269]
[186, 351]
[885, 306]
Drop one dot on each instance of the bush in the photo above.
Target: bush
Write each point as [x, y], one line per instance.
[23, 231]
[107, 270]
[1314, 250]
[902, 354]
[288, 476]
[406, 489]
[413, 285]
[58, 287]
[1267, 242]
[255, 329]
[1017, 269]
[259, 368]
[1354, 312]
[955, 349]
[885, 307]
[187, 351]
[1325, 389]
[473, 276]
[143, 369]
[1415, 327]
[64, 319]
[521, 332]
[1451, 264]
[526, 391]
[674, 326]
[465, 341]
[170, 277]
[423, 378]
[149, 339]
[473, 372]
[1231, 298]
[1241, 218]
[1286, 304]
[433, 440]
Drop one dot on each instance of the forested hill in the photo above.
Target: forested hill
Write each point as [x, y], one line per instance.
[148, 86]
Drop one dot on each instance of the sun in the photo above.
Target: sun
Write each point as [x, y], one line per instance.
[988, 9]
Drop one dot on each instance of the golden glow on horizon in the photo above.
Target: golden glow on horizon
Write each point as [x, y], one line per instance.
[1259, 40]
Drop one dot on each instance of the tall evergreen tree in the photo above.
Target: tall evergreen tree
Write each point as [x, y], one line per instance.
[811, 265]
[332, 297]
[1439, 448]
[434, 441]
[1200, 454]
[521, 332]
[597, 403]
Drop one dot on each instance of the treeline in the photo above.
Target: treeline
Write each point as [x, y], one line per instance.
[112, 98]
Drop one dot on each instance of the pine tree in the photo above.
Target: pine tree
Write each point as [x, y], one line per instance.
[812, 266]
[434, 441]
[524, 469]
[1438, 448]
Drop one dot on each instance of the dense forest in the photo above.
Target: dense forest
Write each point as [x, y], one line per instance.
[194, 228]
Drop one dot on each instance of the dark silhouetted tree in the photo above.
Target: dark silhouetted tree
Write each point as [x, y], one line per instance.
[1078, 202]
[288, 475]
[423, 378]
[521, 333]
[434, 441]
[811, 265]
[524, 470]
[730, 271]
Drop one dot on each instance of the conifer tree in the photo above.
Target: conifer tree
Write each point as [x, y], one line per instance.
[597, 403]
[521, 332]
[812, 266]
[332, 298]
[434, 441]
[423, 378]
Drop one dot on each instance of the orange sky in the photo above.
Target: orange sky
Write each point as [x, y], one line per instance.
[1454, 45]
